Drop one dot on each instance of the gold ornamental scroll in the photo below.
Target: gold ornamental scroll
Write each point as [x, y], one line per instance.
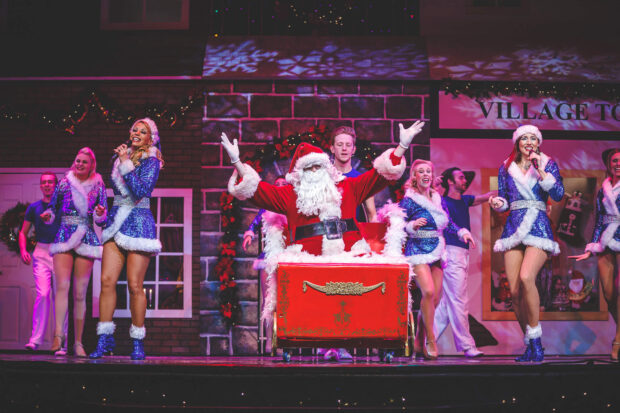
[343, 288]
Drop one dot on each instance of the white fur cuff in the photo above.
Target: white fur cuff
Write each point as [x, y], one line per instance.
[462, 232]
[247, 187]
[248, 233]
[504, 206]
[548, 182]
[105, 327]
[125, 167]
[383, 165]
[137, 332]
[594, 248]
[533, 332]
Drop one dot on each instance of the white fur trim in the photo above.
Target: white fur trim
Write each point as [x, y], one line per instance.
[248, 233]
[533, 332]
[361, 247]
[90, 251]
[610, 195]
[504, 206]
[525, 182]
[117, 177]
[595, 248]
[125, 167]
[105, 327]
[437, 254]
[462, 232]
[74, 240]
[395, 236]
[433, 206]
[80, 189]
[332, 246]
[121, 215]
[128, 243]
[385, 168]
[521, 236]
[548, 182]
[312, 158]
[137, 332]
[522, 130]
[247, 187]
[273, 231]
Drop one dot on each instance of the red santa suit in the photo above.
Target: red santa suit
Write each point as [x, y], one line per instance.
[284, 200]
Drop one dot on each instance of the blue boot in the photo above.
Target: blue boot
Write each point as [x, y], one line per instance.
[538, 352]
[105, 344]
[138, 349]
[527, 355]
[137, 335]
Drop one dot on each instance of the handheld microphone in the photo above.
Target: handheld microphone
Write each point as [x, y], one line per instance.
[534, 161]
[113, 158]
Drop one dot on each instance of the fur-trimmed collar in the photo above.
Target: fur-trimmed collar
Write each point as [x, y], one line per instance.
[433, 206]
[531, 176]
[610, 195]
[80, 189]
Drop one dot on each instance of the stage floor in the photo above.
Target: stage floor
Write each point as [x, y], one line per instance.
[35, 381]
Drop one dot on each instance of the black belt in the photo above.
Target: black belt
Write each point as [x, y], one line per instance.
[331, 228]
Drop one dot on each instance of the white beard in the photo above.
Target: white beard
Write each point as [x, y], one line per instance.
[317, 194]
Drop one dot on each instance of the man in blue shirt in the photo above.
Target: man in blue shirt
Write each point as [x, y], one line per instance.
[452, 306]
[42, 265]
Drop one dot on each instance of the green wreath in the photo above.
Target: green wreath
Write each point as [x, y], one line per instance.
[10, 225]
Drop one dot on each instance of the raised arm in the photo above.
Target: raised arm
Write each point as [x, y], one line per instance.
[232, 148]
[406, 137]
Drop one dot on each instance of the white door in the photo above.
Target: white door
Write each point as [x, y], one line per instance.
[17, 290]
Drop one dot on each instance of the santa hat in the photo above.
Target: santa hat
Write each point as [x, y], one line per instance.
[523, 129]
[152, 126]
[308, 155]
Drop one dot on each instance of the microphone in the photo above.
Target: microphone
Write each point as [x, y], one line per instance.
[113, 158]
[534, 161]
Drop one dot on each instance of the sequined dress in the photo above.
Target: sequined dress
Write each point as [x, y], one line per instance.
[606, 232]
[427, 244]
[526, 196]
[75, 202]
[130, 221]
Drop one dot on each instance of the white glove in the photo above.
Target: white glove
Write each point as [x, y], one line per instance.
[231, 148]
[407, 135]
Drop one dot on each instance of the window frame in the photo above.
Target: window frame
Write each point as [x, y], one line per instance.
[186, 311]
[143, 24]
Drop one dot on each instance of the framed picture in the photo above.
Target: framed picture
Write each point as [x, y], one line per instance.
[569, 290]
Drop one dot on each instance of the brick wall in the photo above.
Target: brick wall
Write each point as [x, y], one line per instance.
[25, 146]
[254, 112]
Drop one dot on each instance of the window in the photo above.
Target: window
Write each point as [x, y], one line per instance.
[168, 283]
[144, 14]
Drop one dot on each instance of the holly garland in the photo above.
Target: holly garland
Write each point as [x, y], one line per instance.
[230, 210]
[10, 225]
[609, 92]
[91, 102]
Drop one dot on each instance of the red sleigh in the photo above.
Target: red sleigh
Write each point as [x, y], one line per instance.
[344, 304]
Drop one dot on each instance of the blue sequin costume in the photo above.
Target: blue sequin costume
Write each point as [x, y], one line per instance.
[130, 221]
[427, 244]
[606, 232]
[75, 202]
[526, 196]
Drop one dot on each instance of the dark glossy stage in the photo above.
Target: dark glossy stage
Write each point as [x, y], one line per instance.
[44, 383]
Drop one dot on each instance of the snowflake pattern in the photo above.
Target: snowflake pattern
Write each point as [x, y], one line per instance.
[228, 58]
[543, 64]
[332, 61]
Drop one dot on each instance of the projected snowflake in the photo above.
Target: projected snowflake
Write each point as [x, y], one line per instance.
[530, 63]
[345, 62]
[234, 58]
[321, 59]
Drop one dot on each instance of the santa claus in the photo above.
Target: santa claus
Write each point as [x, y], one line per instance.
[320, 203]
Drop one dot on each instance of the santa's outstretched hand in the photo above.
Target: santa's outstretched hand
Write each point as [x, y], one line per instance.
[232, 148]
[406, 135]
